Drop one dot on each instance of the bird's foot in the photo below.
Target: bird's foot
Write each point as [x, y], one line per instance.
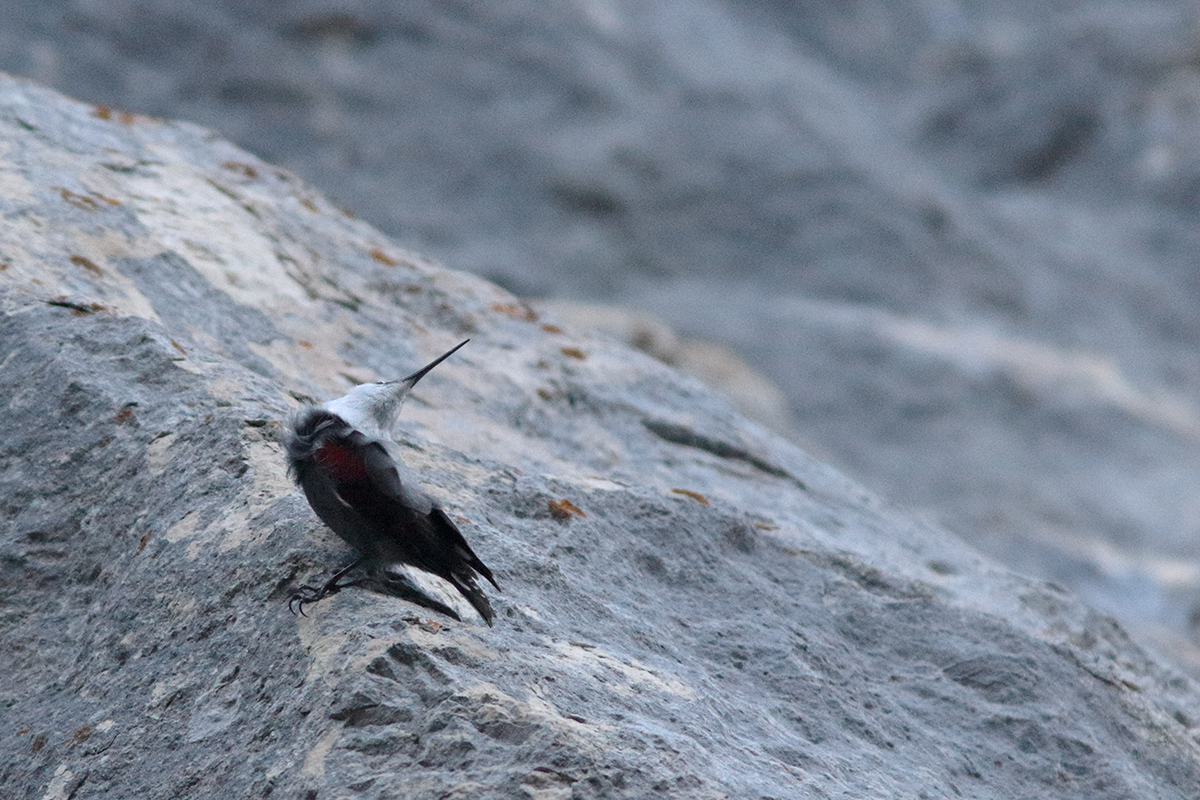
[310, 594]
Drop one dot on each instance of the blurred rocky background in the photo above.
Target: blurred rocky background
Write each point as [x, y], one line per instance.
[961, 237]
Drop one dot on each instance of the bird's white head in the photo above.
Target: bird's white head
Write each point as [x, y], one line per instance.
[374, 407]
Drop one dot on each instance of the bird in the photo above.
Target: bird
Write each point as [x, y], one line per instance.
[342, 455]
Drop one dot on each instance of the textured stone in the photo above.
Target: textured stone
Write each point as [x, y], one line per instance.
[692, 607]
[960, 236]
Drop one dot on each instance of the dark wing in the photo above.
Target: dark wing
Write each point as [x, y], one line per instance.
[363, 499]
[365, 480]
[324, 458]
[466, 564]
[365, 477]
[449, 532]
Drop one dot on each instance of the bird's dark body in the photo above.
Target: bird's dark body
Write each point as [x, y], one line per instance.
[354, 486]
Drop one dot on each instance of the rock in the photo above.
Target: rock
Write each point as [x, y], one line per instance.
[747, 390]
[692, 606]
[960, 237]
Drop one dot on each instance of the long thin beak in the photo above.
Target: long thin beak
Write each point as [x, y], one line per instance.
[411, 380]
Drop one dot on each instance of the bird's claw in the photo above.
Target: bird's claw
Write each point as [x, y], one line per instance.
[308, 595]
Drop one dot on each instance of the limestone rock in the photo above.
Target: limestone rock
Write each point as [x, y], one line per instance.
[749, 392]
[692, 607]
[960, 237]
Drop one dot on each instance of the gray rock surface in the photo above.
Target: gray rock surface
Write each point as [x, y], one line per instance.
[959, 234]
[751, 393]
[692, 607]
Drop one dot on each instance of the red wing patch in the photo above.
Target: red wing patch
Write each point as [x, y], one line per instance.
[344, 462]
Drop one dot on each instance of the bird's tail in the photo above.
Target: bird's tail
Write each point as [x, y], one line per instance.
[464, 581]
[401, 584]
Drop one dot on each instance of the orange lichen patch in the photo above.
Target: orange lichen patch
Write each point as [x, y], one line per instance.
[309, 204]
[563, 509]
[83, 734]
[178, 347]
[77, 200]
[244, 169]
[516, 311]
[427, 625]
[83, 201]
[305, 344]
[691, 494]
[106, 113]
[124, 415]
[548, 328]
[383, 258]
[143, 541]
[88, 264]
[574, 352]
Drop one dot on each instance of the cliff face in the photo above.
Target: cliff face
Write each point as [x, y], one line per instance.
[692, 607]
[959, 237]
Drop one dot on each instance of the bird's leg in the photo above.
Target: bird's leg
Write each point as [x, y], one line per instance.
[309, 594]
